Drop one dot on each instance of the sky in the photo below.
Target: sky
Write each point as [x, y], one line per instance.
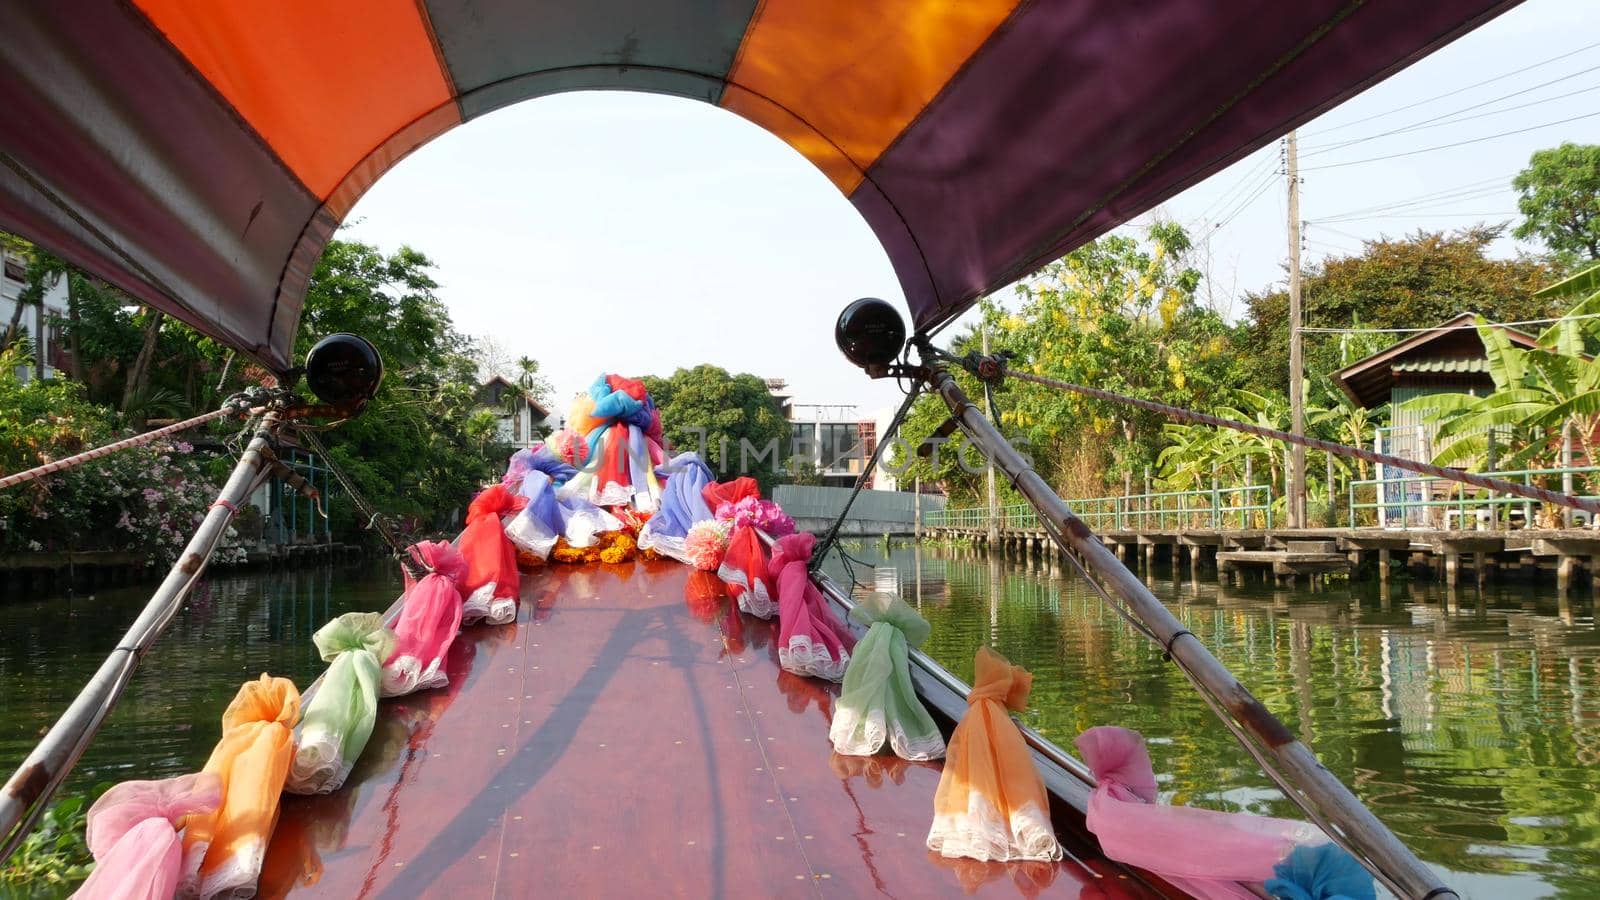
[639, 233]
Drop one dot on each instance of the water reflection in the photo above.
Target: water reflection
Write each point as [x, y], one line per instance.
[234, 628]
[1469, 720]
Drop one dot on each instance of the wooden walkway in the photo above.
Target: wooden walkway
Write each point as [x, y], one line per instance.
[620, 738]
[1292, 552]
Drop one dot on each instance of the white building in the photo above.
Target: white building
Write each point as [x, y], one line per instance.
[50, 353]
[833, 437]
[521, 419]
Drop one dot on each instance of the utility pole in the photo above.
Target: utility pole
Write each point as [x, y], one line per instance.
[1297, 400]
[988, 404]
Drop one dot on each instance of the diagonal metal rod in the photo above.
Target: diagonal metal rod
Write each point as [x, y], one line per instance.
[1310, 785]
[30, 788]
[1410, 465]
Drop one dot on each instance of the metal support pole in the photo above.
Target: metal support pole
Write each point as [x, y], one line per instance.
[994, 503]
[1304, 779]
[30, 788]
[1381, 487]
[1566, 469]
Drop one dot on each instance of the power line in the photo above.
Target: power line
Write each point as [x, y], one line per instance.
[1459, 90]
[1434, 122]
[1270, 180]
[1477, 140]
[1450, 327]
[1468, 187]
[1418, 205]
[1430, 215]
[1226, 198]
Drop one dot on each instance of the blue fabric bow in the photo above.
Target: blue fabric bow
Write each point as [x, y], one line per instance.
[1323, 872]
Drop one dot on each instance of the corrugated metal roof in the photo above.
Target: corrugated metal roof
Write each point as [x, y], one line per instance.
[1444, 366]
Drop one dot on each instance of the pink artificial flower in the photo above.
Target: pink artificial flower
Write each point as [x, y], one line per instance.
[705, 545]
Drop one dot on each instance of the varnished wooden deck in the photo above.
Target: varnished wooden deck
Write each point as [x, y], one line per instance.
[621, 739]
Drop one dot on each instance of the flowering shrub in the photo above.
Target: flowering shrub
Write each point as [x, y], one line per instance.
[146, 500]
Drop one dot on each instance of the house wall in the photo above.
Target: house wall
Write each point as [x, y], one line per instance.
[52, 349]
[1404, 423]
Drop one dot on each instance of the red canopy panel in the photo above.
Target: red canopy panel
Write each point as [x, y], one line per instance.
[200, 155]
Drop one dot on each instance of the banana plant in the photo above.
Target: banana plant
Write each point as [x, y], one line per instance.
[1539, 392]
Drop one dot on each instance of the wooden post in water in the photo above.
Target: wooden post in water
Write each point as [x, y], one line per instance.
[916, 509]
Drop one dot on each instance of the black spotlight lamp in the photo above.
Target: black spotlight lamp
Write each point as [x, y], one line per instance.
[871, 334]
[344, 370]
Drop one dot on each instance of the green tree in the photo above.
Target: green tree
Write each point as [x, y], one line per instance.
[707, 409]
[1559, 198]
[422, 447]
[1120, 314]
[1416, 281]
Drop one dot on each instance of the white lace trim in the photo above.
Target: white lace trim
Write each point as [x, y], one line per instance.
[483, 605]
[804, 656]
[530, 534]
[982, 833]
[405, 674]
[862, 733]
[476, 606]
[235, 879]
[666, 545]
[585, 524]
[189, 878]
[753, 600]
[613, 494]
[317, 767]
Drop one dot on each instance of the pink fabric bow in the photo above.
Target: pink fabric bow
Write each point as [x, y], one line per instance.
[428, 622]
[133, 835]
[1205, 851]
[811, 639]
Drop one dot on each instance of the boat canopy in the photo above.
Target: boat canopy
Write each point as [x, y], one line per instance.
[199, 155]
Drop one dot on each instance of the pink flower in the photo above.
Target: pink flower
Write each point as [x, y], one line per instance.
[704, 546]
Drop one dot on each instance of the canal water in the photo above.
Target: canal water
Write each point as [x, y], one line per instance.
[1470, 723]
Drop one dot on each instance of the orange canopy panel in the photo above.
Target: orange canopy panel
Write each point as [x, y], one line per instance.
[322, 83]
[200, 155]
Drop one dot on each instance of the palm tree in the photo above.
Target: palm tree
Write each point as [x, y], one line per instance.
[527, 372]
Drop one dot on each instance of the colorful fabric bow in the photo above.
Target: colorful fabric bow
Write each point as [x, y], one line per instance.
[682, 506]
[991, 803]
[551, 515]
[1205, 852]
[339, 719]
[744, 563]
[428, 622]
[811, 639]
[492, 582]
[133, 836]
[879, 702]
[622, 428]
[222, 851]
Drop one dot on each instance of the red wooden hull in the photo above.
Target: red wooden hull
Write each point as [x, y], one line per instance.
[622, 738]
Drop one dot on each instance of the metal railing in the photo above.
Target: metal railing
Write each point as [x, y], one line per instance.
[1240, 507]
[1402, 500]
